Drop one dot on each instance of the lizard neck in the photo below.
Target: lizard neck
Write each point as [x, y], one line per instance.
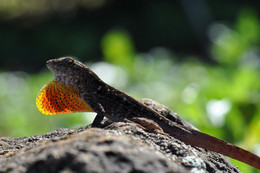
[89, 85]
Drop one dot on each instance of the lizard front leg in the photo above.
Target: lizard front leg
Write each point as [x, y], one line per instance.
[99, 117]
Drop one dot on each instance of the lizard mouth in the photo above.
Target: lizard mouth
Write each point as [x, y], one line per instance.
[58, 74]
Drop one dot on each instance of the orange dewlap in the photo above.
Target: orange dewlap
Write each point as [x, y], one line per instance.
[56, 98]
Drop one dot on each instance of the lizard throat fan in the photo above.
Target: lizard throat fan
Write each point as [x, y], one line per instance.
[56, 98]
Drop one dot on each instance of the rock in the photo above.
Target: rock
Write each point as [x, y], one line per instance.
[116, 147]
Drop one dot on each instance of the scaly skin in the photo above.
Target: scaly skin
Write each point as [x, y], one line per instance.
[118, 106]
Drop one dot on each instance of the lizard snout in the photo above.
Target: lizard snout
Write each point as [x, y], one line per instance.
[49, 62]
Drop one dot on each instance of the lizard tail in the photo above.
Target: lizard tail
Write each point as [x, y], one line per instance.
[199, 139]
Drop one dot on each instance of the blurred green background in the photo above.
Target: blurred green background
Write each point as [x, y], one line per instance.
[200, 58]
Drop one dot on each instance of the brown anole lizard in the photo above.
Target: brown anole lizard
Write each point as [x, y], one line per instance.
[76, 88]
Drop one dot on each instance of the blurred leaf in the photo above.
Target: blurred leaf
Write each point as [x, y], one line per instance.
[230, 45]
[247, 27]
[253, 132]
[118, 48]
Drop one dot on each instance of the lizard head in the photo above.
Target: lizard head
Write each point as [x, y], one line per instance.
[61, 95]
[66, 69]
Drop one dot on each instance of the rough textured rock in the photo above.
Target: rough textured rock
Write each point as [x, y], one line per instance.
[118, 147]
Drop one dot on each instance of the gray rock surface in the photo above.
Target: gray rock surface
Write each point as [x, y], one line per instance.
[117, 147]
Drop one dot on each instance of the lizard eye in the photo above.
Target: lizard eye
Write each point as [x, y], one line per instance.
[70, 62]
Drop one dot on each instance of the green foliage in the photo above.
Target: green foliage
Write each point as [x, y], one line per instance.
[230, 45]
[118, 48]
